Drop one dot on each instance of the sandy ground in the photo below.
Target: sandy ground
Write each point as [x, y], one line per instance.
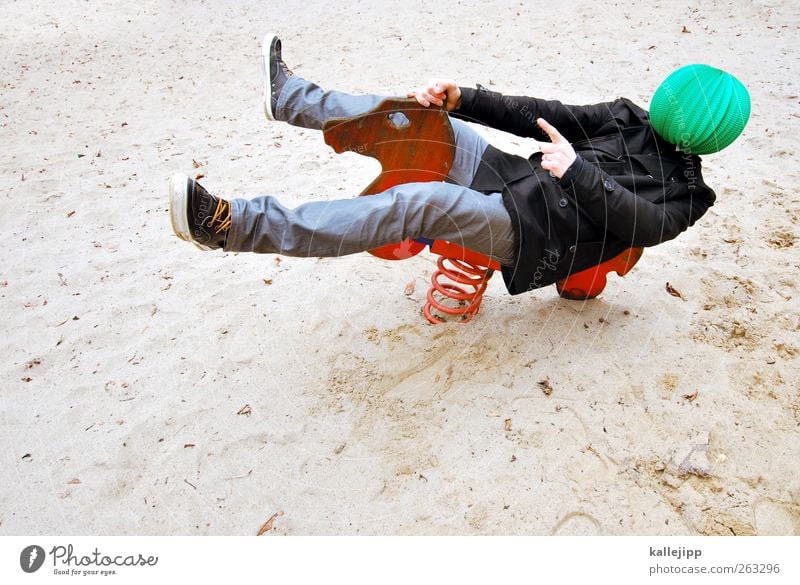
[148, 388]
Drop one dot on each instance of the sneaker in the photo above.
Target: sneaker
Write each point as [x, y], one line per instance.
[197, 216]
[276, 73]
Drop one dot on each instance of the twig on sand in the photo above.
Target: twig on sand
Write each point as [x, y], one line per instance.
[240, 476]
[267, 526]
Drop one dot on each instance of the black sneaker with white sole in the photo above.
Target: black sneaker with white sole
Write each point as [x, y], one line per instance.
[276, 73]
[197, 216]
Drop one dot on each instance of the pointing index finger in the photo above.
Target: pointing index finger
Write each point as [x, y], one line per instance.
[555, 135]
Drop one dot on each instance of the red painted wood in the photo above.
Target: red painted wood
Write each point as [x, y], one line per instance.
[589, 283]
[413, 144]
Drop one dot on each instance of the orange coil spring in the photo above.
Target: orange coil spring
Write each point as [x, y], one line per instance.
[471, 276]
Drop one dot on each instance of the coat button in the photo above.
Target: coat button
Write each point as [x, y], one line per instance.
[562, 202]
[572, 249]
[608, 185]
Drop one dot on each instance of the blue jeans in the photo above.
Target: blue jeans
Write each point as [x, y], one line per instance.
[438, 211]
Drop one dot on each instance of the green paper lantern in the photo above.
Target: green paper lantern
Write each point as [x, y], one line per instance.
[700, 109]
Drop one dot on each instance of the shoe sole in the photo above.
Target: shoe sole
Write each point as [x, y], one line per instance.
[266, 45]
[179, 209]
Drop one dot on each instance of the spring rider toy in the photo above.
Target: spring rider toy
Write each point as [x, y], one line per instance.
[416, 144]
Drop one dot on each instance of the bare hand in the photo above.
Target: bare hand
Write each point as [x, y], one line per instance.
[558, 155]
[439, 92]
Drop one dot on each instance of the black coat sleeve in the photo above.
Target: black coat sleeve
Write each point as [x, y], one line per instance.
[634, 219]
[518, 114]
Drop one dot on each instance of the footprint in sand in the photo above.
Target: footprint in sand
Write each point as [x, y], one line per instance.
[577, 524]
[773, 519]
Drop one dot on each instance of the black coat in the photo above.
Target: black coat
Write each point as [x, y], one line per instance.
[633, 188]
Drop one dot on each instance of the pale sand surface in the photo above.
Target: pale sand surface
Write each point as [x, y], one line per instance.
[126, 354]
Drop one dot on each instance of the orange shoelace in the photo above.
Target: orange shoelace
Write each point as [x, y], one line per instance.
[222, 216]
